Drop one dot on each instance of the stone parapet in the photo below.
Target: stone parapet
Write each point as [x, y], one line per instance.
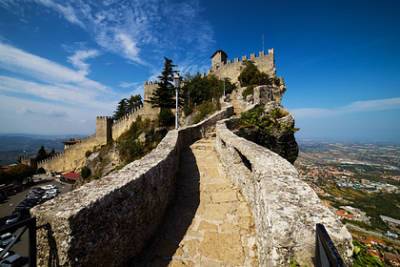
[107, 222]
[286, 209]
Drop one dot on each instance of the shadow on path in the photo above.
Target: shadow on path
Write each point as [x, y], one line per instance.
[178, 217]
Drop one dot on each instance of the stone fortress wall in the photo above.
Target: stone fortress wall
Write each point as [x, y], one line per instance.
[107, 222]
[284, 207]
[107, 130]
[222, 67]
[129, 204]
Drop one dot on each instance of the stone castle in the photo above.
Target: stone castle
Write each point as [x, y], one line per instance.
[203, 197]
[108, 130]
[222, 68]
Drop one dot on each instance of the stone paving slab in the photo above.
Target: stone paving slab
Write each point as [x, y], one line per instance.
[209, 223]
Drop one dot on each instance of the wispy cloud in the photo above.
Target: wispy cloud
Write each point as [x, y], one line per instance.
[19, 61]
[140, 31]
[78, 60]
[65, 10]
[44, 79]
[357, 106]
[128, 84]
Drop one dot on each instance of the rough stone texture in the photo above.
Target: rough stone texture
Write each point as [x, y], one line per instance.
[285, 208]
[215, 225]
[108, 221]
[231, 69]
[280, 139]
[266, 93]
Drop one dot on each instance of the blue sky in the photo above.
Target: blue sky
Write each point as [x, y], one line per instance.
[64, 62]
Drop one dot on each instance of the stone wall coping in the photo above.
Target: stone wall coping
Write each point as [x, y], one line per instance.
[88, 194]
[285, 208]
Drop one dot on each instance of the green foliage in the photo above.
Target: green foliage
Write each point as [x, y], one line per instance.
[199, 89]
[41, 171]
[257, 118]
[134, 102]
[203, 110]
[127, 105]
[229, 87]
[250, 75]
[85, 172]
[88, 153]
[16, 173]
[293, 263]
[164, 96]
[361, 257]
[122, 109]
[248, 91]
[131, 148]
[41, 154]
[166, 117]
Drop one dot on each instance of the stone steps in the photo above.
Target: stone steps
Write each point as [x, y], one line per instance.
[209, 223]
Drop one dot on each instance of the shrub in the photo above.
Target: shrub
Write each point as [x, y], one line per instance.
[41, 171]
[166, 117]
[203, 110]
[16, 173]
[88, 153]
[85, 172]
[250, 75]
[248, 91]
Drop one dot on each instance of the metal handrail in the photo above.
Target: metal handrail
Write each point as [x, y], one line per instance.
[326, 254]
[25, 224]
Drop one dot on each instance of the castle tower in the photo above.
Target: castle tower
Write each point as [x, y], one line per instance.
[218, 59]
[103, 129]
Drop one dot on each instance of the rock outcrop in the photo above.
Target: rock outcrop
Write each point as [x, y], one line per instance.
[267, 123]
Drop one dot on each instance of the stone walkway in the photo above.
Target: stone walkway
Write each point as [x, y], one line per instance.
[209, 223]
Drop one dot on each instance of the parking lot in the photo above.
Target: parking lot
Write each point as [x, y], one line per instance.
[6, 208]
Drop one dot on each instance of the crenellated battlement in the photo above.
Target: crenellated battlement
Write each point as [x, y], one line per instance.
[127, 116]
[222, 67]
[253, 56]
[55, 156]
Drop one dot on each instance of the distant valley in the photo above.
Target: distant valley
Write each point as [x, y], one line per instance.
[14, 145]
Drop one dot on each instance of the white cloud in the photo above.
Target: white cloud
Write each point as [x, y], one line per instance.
[65, 10]
[21, 62]
[61, 93]
[357, 106]
[128, 84]
[80, 56]
[26, 116]
[140, 31]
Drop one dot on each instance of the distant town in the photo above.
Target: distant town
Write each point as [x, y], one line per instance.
[361, 184]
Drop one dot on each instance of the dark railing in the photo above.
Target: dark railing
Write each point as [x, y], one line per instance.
[17, 230]
[326, 254]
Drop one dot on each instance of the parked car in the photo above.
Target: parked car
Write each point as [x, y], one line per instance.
[13, 218]
[14, 260]
[3, 197]
[49, 187]
[8, 253]
[6, 239]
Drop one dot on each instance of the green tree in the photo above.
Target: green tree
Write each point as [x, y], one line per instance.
[164, 95]
[41, 154]
[134, 102]
[122, 109]
[199, 89]
[85, 172]
[251, 75]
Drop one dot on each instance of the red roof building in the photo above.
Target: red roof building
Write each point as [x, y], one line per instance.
[71, 176]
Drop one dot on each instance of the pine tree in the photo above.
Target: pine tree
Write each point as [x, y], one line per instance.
[134, 102]
[164, 95]
[122, 109]
[41, 154]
